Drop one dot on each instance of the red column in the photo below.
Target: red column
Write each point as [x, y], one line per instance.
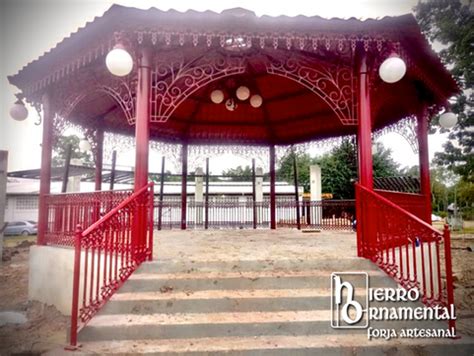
[45, 176]
[364, 130]
[142, 136]
[184, 182]
[142, 132]
[365, 235]
[424, 161]
[99, 154]
[272, 189]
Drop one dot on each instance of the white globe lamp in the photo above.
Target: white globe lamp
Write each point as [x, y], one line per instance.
[392, 69]
[256, 101]
[18, 111]
[119, 62]
[217, 96]
[448, 119]
[84, 145]
[242, 93]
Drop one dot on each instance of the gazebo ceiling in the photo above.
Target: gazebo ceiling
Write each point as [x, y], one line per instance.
[304, 68]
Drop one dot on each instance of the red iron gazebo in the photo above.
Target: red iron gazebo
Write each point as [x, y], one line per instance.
[235, 79]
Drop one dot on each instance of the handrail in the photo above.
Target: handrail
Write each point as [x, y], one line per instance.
[65, 211]
[113, 247]
[112, 212]
[405, 247]
[396, 207]
[86, 193]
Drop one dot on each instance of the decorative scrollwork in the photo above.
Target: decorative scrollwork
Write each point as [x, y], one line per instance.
[407, 128]
[121, 90]
[173, 80]
[335, 84]
[197, 154]
[315, 145]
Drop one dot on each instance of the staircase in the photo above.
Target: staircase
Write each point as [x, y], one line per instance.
[259, 307]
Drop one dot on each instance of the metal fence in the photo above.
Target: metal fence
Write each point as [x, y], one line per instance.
[242, 213]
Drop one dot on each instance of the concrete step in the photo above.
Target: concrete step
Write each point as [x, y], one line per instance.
[187, 282]
[281, 345]
[208, 301]
[198, 325]
[320, 264]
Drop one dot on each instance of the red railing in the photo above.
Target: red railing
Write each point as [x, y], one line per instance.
[108, 252]
[232, 212]
[405, 247]
[412, 202]
[66, 211]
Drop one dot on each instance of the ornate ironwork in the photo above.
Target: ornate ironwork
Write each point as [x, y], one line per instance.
[399, 243]
[65, 211]
[335, 84]
[313, 42]
[121, 90]
[113, 247]
[197, 154]
[175, 79]
[319, 145]
[407, 128]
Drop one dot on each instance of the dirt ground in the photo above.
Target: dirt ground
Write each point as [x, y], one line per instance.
[462, 247]
[45, 328]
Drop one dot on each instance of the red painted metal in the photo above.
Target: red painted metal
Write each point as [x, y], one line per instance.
[272, 188]
[184, 184]
[142, 130]
[142, 138]
[364, 128]
[364, 140]
[413, 203]
[406, 248]
[254, 195]
[424, 163]
[297, 195]
[65, 211]
[99, 154]
[110, 255]
[206, 201]
[45, 177]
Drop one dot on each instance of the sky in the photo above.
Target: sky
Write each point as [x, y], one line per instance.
[28, 28]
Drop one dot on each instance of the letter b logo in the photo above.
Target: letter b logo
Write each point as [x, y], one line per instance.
[346, 311]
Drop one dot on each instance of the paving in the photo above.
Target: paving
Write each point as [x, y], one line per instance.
[245, 292]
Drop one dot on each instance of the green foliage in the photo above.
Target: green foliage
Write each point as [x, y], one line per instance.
[60, 151]
[239, 174]
[286, 172]
[451, 23]
[338, 168]
[339, 171]
[383, 163]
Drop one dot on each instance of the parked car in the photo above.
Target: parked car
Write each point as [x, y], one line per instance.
[23, 227]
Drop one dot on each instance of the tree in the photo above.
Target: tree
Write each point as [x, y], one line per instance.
[338, 168]
[383, 163]
[339, 171]
[285, 170]
[450, 23]
[60, 150]
[239, 174]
